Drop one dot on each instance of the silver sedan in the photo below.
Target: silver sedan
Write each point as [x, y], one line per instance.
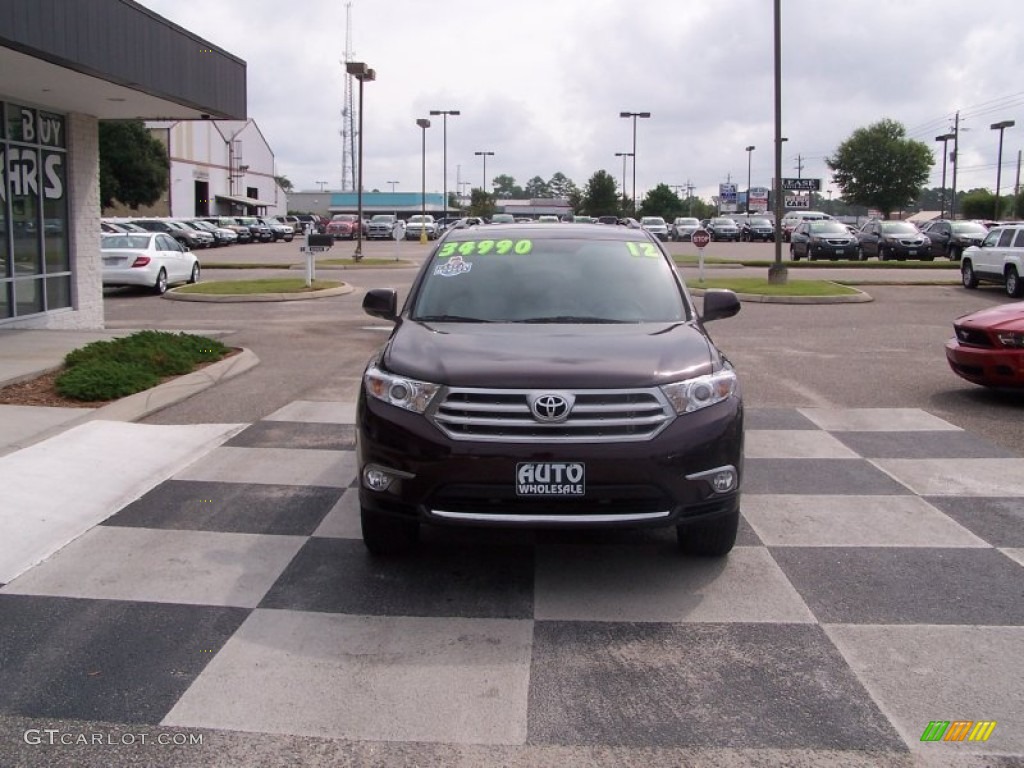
[148, 259]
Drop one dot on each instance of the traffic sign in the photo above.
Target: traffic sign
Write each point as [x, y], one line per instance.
[700, 238]
[315, 248]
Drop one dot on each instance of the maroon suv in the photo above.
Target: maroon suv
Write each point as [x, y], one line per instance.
[544, 376]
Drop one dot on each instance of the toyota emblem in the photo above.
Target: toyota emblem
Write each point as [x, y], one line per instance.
[551, 407]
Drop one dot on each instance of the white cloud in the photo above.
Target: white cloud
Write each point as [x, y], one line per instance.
[541, 84]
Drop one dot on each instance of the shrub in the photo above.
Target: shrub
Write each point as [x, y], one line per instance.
[106, 370]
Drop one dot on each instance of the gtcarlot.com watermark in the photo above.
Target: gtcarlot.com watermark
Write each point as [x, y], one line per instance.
[55, 736]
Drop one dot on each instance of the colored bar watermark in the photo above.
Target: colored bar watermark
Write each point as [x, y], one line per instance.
[958, 730]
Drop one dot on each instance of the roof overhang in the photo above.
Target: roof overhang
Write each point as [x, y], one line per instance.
[248, 201]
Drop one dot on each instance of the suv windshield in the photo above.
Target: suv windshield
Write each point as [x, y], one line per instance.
[475, 279]
[382, 217]
[825, 227]
[898, 228]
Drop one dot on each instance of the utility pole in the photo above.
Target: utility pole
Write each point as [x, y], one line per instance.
[799, 166]
[956, 156]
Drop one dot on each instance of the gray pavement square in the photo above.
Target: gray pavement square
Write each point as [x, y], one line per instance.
[855, 477]
[293, 434]
[897, 585]
[999, 521]
[929, 444]
[294, 510]
[705, 685]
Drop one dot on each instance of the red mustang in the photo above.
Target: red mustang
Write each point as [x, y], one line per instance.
[988, 347]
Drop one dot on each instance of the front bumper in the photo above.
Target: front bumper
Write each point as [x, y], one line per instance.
[627, 484]
[987, 367]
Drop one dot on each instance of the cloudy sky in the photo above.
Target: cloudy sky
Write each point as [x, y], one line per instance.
[541, 84]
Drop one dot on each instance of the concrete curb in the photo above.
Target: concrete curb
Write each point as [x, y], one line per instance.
[135, 407]
[855, 298]
[229, 298]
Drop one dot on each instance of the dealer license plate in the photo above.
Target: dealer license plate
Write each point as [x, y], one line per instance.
[912, 252]
[550, 478]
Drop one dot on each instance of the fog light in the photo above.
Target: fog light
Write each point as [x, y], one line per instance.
[376, 479]
[721, 479]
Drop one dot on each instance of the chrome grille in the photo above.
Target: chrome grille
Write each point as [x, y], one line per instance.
[605, 415]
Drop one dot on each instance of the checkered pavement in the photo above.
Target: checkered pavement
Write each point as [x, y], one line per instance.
[877, 585]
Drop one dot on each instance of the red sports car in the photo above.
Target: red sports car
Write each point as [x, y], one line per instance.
[988, 347]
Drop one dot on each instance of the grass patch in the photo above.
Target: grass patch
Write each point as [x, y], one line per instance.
[840, 264]
[248, 265]
[363, 262]
[107, 370]
[266, 285]
[761, 286]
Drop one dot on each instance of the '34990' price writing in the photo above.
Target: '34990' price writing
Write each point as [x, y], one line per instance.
[483, 247]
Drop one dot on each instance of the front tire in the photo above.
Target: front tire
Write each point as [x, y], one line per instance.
[384, 535]
[715, 538]
[1014, 286]
[194, 277]
[967, 276]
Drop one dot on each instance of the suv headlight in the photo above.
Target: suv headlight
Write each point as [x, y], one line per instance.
[693, 394]
[410, 394]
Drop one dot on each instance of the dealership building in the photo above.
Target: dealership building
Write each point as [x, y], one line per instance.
[123, 61]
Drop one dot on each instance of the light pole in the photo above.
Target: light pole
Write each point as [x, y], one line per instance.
[946, 137]
[444, 150]
[777, 272]
[322, 184]
[1000, 126]
[634, 115]
[750, 151]
[362, 73]
[483, 187]
[393, 185]
[423, 123]
[624, 155]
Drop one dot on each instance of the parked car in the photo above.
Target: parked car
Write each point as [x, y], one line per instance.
[260, 231]
[891, 239]
[546, 218]
[999, 259]
[613, 220]
[206, 238]
[242, 233]
[682, 228]
[511, 393]
[418, 224]
[987, 347]
[503, 218]
[656, 226]
[381, 227]
[723, 228]
[184, 235]
[279, 230]
[148, 259]
[344, 226]
[311, 223]
[759, 228]
[822, 239]
[221, 235]
[791, 219]
[950, 238]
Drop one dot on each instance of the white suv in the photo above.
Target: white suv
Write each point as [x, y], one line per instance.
[415, 225]
[999, 259]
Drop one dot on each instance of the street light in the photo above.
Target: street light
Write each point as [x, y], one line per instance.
[483, 188]
[444, 151]
[1000, 126]
[942, 199]
[777, 272]
[634, 115]
[362, 73]
[322, 184]
[624, 155]
[750, 150]
[393, 185]
[423, 123]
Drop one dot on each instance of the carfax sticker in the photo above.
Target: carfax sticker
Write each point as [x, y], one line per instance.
[456, 265]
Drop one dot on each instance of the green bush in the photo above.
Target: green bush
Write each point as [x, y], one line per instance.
[104, 380]
[106, 370]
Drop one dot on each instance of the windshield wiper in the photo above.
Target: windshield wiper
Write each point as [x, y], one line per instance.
[449, 319]
[569, 319]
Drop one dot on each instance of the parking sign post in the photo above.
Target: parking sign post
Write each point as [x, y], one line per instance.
[700, 238]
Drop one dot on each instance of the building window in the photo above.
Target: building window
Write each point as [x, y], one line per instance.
[35, 264]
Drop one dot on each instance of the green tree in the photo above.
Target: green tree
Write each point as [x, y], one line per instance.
[482, 203]
[662, 201]
[560, 185]
[600, 197]
[505, 188]
[880, 168]
[700, 209]
[977, 204]
[576, 201]
[134, 168]
[537, 188]
[284, 183]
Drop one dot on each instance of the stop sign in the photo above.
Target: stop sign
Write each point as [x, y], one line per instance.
[700, 238]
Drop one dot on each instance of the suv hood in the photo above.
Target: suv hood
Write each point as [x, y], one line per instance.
[514, 355]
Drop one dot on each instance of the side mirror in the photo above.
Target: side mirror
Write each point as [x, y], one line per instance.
[382, 303]
[719, 303]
